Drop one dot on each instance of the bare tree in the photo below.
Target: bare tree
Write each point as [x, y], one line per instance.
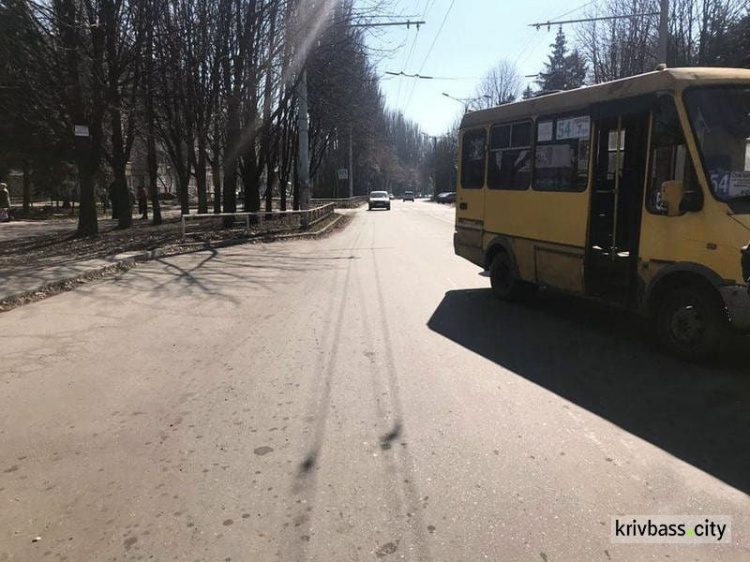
[502, 84]
[701, 33]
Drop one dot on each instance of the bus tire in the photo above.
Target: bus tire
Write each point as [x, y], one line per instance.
[505, 283]
[691, 323]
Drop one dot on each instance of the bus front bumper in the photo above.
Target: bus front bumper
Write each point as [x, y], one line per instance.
[737, 300]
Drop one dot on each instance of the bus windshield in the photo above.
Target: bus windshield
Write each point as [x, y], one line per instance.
[720, 118]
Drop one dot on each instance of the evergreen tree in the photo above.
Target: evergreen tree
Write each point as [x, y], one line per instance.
[563, 71]
[528, 93]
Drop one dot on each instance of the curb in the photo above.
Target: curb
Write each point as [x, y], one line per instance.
[131, 259]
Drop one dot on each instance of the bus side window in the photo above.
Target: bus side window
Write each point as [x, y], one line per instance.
[670, 160]
[472, 159]
[509, 164]
[562, 150]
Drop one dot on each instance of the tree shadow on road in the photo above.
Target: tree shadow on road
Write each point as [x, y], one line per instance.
[229, 275]
[597, 357]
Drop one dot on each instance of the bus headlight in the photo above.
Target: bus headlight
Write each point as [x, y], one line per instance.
[746, 263]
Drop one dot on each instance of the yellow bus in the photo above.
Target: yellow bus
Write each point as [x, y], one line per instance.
[635, 191]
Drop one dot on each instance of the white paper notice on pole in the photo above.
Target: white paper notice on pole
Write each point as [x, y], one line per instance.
[343, 173]
[574, 128]
[544, 131]
[81, 130]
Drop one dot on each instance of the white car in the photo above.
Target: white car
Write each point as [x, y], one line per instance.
[379, 200]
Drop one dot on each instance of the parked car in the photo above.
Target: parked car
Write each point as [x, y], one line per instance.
[379, 200]
[446, 197]
[409, 196]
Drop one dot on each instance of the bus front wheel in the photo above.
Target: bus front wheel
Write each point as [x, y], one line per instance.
[505, 284]
[691, 323]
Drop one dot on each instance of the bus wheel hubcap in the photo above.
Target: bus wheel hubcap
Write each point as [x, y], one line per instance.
[687, 325]
[502, 275]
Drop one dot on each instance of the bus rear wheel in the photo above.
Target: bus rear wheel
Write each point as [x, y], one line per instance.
[505, 284]
[691, 323]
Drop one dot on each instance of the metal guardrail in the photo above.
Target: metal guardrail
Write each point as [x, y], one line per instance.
[343, 203]
[306, 218]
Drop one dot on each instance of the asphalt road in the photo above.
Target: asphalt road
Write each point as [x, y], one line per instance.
[357, 397]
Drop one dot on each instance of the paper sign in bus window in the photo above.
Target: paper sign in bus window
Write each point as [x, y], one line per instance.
[730, 184]
[554, 156]
[574, 128]
[476, 150]
[544, 131]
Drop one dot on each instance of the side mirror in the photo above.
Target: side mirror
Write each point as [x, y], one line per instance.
[672, 193]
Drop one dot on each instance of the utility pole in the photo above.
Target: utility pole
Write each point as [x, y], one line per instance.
[351, 165]
[549, 24]
[663, 32]
[434, 161]
[663, 14]
[303, 126]
[303, 162]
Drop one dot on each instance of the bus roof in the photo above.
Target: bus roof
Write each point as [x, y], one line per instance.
[580, 98]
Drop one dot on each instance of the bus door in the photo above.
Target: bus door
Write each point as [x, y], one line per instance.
[470, 194]
[620, 151]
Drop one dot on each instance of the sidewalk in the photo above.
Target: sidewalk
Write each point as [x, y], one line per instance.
[35, 255]
[19, 281]
[42, 258]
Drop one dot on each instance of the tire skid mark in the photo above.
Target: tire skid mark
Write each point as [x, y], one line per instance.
[379, 388]
[401, 455]
[304, 486]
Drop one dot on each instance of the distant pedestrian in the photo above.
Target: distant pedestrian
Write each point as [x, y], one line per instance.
[6, 213]
[143, 202]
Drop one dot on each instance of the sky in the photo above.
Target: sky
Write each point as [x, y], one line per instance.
[475, 35]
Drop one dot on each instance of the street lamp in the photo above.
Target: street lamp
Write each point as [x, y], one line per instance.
[466, 102]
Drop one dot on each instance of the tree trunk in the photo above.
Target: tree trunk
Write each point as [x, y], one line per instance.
[295, 180]
[86, 155]
[26, 187]
[250, 182]
[183, 176]
[114, 103]
[266, 141]
[119, 162]
[200, 176]
[153, 173]
[231, 151]
[269, 186]
[152, 162]
[88, 224]
[216, 179]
